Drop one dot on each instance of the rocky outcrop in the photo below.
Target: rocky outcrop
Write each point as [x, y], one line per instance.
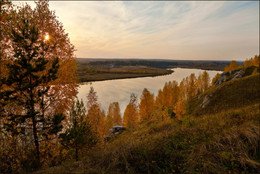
[206, 100]
[231, 75]
[117, 129]
[114, 131]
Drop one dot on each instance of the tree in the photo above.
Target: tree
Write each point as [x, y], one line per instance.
[146, 106]
[215, 79]
[108, 124]
[55, 95]
[166, 100]
[102, 126]
[191, 86]
[22, 87]
[92, 98]
[94, 112]
[233, 66]
[131, 113]
[180, 107]
[253, 61]
[114, 113]
[79, 134]
[64, 87]
[205, 81]
[6, 14]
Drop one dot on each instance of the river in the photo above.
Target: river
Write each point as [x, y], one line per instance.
[119, 90]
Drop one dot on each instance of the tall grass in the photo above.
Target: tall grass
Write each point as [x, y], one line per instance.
[221, 138]
[213, 143]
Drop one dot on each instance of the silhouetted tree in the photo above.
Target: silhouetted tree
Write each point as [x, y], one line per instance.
[22, 87]
[79, 134]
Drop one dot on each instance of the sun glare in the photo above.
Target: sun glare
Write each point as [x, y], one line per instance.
[46, 37]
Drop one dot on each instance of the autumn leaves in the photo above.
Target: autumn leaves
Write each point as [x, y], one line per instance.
[171, 102]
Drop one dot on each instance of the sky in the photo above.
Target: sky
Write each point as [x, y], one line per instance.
[191, 30]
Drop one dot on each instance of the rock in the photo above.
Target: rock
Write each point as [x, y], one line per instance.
[206, 101]
[116, 130]
[231, 75]
[238, 74]
[223, 77]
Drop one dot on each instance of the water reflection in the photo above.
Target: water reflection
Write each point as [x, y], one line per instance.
[119, 90]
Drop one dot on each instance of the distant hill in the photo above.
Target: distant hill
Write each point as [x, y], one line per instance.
[157, 63]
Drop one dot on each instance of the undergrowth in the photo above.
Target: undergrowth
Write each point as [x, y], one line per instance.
[212, 143]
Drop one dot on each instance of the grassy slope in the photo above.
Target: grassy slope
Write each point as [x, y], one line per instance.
[221, 142]
[233, 94]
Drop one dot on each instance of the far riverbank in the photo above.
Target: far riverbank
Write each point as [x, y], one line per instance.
[91, 74]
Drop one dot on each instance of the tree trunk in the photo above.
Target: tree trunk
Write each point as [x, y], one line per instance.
[35, 136]
[77, 154]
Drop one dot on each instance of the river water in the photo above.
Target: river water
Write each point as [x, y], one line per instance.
[119, 90]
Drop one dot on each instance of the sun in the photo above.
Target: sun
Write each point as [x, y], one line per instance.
[46, 37]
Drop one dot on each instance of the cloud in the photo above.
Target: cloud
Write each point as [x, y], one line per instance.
[148, 29]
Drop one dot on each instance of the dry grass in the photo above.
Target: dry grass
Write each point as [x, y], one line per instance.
[233, 94]
[226, 141]
[219, 143]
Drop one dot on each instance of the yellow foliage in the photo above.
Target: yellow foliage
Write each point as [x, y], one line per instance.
[146, 106]
[131, 113]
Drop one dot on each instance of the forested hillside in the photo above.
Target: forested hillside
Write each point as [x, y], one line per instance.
[219, 137]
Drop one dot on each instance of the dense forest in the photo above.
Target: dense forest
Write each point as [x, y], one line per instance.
[196, 126]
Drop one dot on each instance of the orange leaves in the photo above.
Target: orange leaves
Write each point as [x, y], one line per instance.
[115, 114]
[146, 106]
[233, 66]
[95, 116]
[131, 113]
[252, 61]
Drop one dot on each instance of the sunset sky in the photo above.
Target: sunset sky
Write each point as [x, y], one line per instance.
[165, 30]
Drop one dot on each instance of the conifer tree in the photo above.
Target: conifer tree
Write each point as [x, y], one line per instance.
[65, 86]
[79, 134]
[25, 77]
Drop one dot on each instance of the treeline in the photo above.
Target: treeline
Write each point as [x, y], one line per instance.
[171, 102]
[205, 65]
[253, 61]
